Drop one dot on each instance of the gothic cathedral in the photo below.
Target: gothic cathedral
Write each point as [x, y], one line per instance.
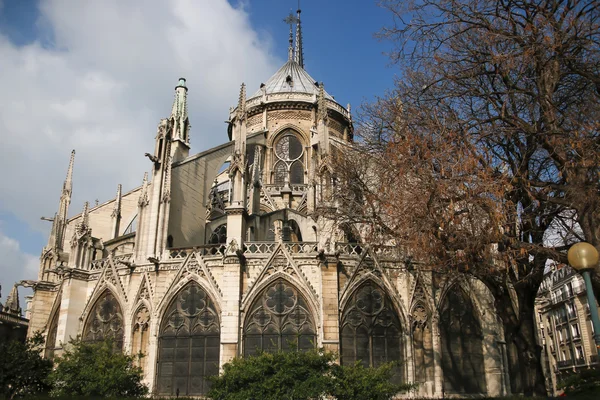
[229, 251]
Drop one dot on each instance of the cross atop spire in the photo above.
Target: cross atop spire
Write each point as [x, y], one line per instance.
[290, 20]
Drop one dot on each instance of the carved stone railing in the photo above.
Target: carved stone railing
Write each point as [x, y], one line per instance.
[217, 249]
[301, 247]
[259, 247]
[291, 247]
[98, 265]
[275, 190]
[350, 249]
[382, 252]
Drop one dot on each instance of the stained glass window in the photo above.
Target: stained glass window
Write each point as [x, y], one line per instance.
[371, 330]
[279, 319]
[288, 160]
[188, 344]
[462, 349]
[105, 321]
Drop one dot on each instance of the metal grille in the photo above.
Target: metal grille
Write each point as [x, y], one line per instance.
[189, 344]
[105, 321]
[279, 320]
[462, 349]
[371, 331]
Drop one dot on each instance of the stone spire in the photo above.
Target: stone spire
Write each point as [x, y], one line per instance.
[179, 113]
[116, 214]
[241, 108]
[12, 302]
[143, 199]
[299, 55]
[290, 19]
[60, 218]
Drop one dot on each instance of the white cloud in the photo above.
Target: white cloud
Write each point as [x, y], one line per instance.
[102, 87]
[15, 265]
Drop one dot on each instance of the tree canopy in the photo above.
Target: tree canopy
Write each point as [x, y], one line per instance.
[484, 158]
[22, 369]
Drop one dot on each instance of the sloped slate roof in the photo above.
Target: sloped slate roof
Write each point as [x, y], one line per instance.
[299, 81]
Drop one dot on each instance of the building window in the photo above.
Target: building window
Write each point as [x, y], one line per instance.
[371, 330]
[105, 321]
[288, 164]
[579, 352]
[575, 331]
[569, 289]
[188, 344]
[279, 319]
[219, 235]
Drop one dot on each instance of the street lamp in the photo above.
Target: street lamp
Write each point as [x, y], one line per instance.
[584, 258]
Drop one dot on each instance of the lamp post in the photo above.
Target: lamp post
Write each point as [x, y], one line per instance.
[584, 257]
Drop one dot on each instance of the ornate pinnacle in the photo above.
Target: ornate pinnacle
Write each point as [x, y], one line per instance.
[117, 209]
[241, 109]
[299, 56]
[143, 200]
[322, 109]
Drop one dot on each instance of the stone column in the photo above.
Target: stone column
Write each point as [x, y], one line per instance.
[230, 309]
[330, 304]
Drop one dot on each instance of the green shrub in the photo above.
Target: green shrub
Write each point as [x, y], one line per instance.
[96, 370]
[302, 375]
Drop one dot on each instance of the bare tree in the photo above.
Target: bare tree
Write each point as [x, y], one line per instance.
[489, 138]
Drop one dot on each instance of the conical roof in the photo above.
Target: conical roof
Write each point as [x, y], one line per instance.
[291, 78]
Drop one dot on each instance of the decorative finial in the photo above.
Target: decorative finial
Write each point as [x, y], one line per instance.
[299, 56]
[290, 20]
[181, 84]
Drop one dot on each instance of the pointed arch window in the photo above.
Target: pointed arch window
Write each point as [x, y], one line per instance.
[188, 344]
[219, 235]
[371, 330]
[288, 160]
[277, 318]
[132, 227]
[51, 337]
[462, 346]
[105, 321]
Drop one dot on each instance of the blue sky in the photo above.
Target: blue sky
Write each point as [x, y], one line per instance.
[98, 76]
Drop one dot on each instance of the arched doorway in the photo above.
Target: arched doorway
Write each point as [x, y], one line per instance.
[188, 344]
[371, 329]
[462, 348]
[105, 321]
[278, 317]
